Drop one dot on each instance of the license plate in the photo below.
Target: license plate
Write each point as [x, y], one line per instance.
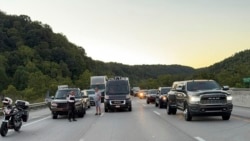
[117, 106]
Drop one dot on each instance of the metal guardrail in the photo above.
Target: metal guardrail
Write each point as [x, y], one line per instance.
[32, 106]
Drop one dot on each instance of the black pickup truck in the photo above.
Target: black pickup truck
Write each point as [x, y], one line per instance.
[200, 98]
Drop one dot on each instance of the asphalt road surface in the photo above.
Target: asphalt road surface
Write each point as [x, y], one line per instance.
[144, 123]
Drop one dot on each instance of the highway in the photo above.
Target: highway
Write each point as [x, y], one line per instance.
[145, 123]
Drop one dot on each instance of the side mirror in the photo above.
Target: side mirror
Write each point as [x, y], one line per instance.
[52, 97]
[225, 88]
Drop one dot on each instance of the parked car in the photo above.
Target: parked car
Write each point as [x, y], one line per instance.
[161, 97]
[200, 98]
[142, 94]
[150, 98]
[87, 96]
[59, 105]
[91, 95]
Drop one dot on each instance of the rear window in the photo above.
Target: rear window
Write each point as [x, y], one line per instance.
[152, 91]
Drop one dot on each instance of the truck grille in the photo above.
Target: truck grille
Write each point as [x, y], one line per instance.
[213, 99]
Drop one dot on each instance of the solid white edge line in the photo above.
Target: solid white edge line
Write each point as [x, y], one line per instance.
[28, 124]
[157, 113]
[199, 139]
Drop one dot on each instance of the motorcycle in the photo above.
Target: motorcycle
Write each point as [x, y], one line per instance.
[13, 116]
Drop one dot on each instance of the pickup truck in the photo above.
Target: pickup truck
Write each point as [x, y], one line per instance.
[200, 98]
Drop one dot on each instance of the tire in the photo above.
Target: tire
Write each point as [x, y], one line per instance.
[156, 104]
[187, 114]
[226, 117]
[106, 109]
[18, 127]
[130, 109]
[54, 116]
[169, 110]
[82, 113]
[4, 129]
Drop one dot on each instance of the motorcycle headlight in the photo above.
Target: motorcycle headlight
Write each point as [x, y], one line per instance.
[194, 99]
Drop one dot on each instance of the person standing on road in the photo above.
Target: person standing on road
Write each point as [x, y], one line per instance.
[71, 106]
[98, 101]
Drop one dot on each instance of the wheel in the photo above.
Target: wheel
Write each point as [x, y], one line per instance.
[156, 104]
[187, 114]
[54, 116]
[4, 129]
[106, 109]
[82, 113]
[226, 117]
[130, 109]
[169, 110]
[17, 125]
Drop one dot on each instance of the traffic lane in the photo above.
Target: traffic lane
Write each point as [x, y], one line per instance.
[139, 124]
[206, 128]
[243, 112]
[46, 128]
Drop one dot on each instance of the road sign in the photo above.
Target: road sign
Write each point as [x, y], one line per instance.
[246, 80]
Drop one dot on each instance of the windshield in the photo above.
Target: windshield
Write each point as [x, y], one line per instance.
[99, 86]
[202, 85]
[152, 91]
[165, 90]
[118, 89]
[62, 94]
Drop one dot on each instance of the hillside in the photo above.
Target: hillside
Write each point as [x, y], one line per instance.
[34, 59]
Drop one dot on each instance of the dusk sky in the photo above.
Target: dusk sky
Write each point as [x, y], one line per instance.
[195, 33]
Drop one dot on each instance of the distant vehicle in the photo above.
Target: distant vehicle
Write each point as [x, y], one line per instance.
[135, 91]
[142, 94]
[200, 98]
[100, 82]
[86, 98]
[59, 105]
[150, 98]
[117, 95]
[91, 95]
[161, 97]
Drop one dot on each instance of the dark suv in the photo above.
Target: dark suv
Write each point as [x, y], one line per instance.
[161, 97]
[59, 105]
[117, 95]
[200, 98]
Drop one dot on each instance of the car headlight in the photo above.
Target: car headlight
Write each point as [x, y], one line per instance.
[164, 98]
[53, 104]
[194, 99]
[229, 99]
[78, 103]
[128, 96]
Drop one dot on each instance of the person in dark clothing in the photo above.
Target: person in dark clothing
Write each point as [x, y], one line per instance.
[71, 106]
